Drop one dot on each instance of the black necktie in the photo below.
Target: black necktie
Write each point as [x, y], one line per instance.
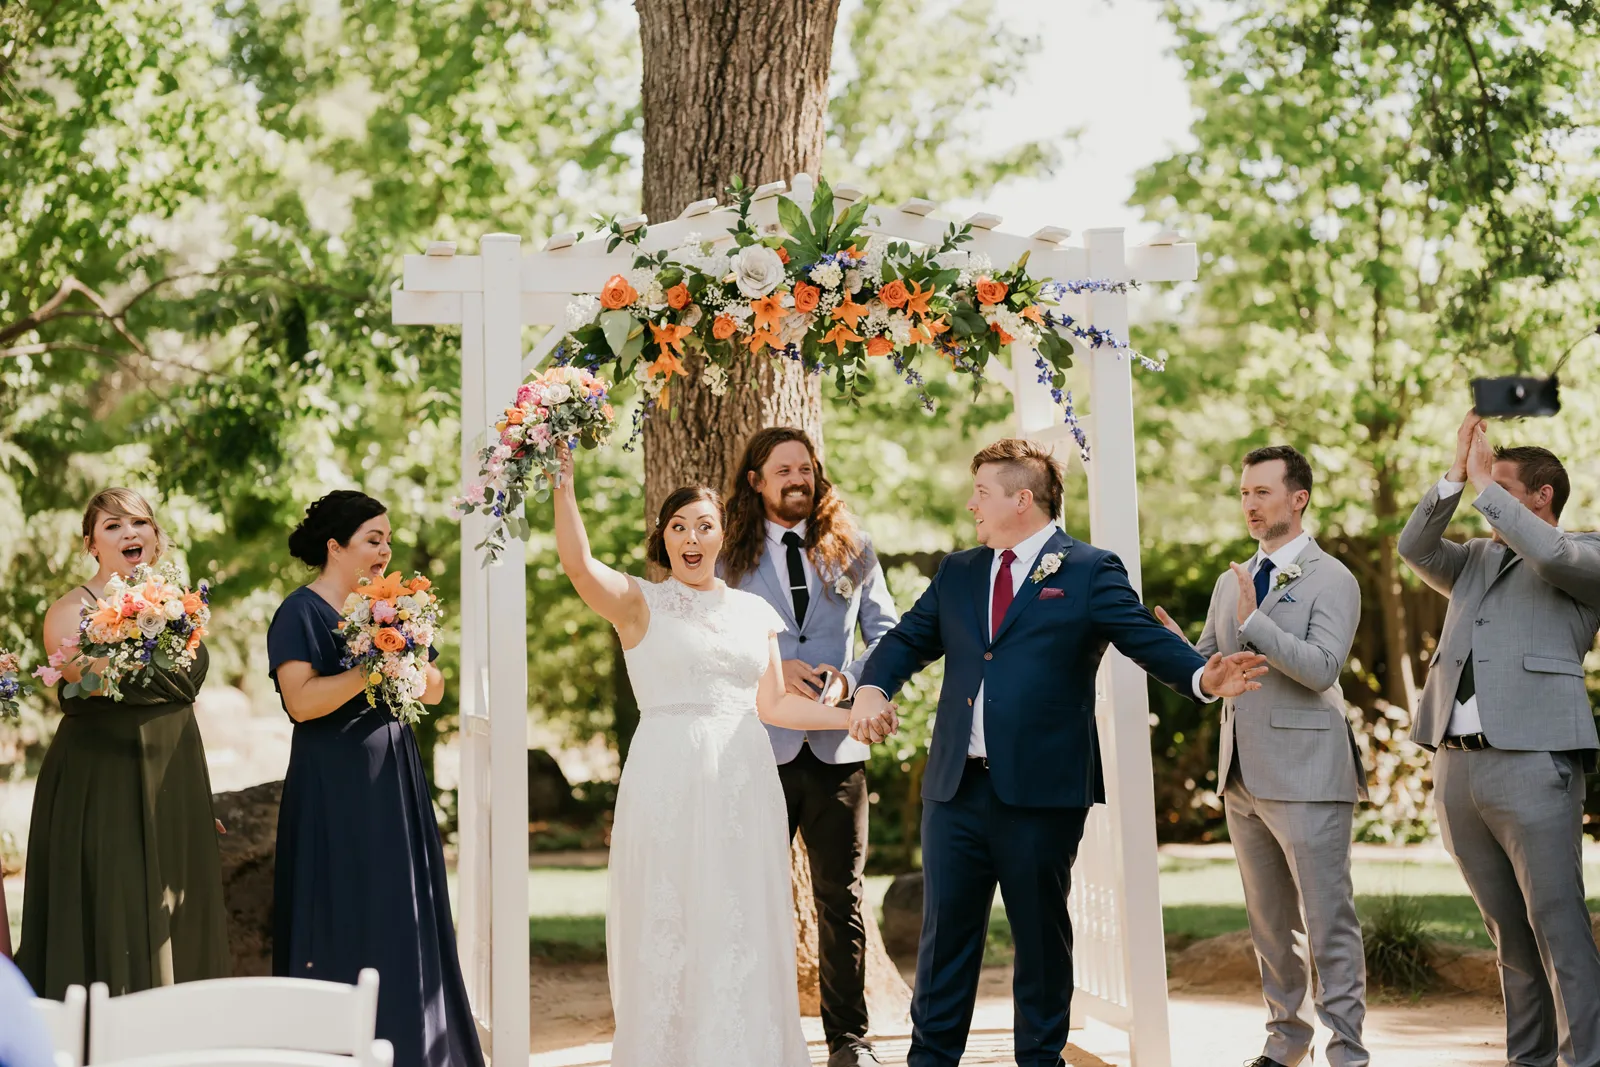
[1469, 680]
[1263, 576]
[797, 577]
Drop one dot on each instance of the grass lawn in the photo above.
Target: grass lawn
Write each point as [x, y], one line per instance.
[1200, 897]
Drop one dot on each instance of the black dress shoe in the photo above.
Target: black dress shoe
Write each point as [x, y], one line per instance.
[854, 1056]
[1265, 1061]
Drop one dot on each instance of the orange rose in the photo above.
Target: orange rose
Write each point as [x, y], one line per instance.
[678, 297]
[617, 293]
[879, 346]
[991, 291]
[513, 416]
[191, 603]
[783, 256]
[806, 297]
[419, 584]
[894, 294]
[723, 328]
[389, 639]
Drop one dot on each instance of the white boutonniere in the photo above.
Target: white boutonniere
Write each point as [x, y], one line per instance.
[1287, 575]
[1048, 565]
[845, 587]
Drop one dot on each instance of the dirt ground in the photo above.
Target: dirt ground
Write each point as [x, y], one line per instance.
[572, 1027]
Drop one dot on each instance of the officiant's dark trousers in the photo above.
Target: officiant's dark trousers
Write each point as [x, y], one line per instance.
[828, 805]
[971, 843]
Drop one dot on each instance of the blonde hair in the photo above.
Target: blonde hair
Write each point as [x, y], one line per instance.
[121, 503]
[1025, 465]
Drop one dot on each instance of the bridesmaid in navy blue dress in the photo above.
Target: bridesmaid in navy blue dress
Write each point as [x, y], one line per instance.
[360, 878]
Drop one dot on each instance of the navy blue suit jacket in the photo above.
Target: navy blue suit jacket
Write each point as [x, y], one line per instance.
[1038, 674]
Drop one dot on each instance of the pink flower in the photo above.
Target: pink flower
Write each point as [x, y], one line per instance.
[541, 435]
[474, 493]
[383, 611]
[524, 393]
[47, 675]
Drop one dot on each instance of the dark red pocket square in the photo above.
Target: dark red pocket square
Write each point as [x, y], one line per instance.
[1051, 593]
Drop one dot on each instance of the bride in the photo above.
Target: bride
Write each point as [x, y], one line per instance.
[699, 928]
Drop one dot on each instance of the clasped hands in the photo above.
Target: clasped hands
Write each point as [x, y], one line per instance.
[826, 684]
[873, 716]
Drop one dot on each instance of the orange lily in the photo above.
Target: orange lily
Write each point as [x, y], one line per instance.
[668, 364]
[769, 310]
[761, 338]
[388, 587]
[936, 326]
[1032, 312]
[849, 311]
[919, 336]
[918, 300]
[669, 336]
[840, 335]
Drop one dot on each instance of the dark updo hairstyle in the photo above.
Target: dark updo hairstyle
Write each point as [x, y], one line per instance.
[656, 551]
[336, 517]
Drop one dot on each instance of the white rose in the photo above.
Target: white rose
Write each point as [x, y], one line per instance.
[852, 281]
[151, 622]
[758, 270]
[691, 318]
[557, 394]
[173, 610]
[581, 312]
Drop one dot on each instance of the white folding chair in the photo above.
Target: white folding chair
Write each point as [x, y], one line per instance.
[381, 1054]
[64, 1021]
[294, 1014]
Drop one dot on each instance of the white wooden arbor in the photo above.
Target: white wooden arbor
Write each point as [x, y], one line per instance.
[1116, 905]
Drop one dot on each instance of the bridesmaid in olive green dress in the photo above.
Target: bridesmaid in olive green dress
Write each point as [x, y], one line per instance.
[124, 880]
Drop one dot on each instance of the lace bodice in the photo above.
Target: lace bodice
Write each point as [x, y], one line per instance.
[703, 652]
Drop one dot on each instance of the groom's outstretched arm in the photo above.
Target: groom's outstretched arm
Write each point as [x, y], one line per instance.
[914, 643]
[1117, 613]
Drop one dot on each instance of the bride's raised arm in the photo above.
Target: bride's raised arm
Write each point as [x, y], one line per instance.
[613, 595]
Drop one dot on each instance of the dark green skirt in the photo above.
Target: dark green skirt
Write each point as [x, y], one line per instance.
[124, 880]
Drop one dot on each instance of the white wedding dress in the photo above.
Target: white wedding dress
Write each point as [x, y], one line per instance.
[700, 925]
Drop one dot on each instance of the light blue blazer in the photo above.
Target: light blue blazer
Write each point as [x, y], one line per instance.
[827, 635]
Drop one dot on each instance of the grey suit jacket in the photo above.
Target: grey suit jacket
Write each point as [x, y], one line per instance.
[1291, 736]
[1527, 628]
[827, 635]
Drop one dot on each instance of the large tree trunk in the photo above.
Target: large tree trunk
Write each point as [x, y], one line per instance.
[739, 88]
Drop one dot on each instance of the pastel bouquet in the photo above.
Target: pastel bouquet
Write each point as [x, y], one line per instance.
[562, 404]
[11, 685]
[388, 628]
[146, 619]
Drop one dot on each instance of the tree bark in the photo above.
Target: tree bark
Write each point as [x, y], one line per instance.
[739, 88]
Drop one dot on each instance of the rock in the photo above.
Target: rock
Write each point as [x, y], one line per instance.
[1226, 960]
[888, 996]
[1469, 970]
[251, 819]
[549, 792]
[902, 916]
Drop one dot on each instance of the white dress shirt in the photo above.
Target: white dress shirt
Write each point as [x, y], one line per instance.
[778, 554]
[1285, 555]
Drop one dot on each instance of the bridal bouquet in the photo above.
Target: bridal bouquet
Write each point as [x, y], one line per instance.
[11, 685]
[388, 627]
[562, 404]
[148, 618]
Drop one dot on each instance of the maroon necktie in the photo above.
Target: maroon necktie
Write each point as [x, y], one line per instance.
[1002, 592]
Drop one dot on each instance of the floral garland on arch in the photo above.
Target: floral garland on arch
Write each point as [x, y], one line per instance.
[814, 288]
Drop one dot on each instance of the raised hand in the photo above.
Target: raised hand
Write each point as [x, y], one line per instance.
[1480, 458]
[1247, 592]
[1464, 438]
[1228, 676]
[1172, 624]
[564, 476]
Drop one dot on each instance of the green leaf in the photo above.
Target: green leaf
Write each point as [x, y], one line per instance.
[634, 346]
[794, 220]
[618, 326]
[822, 211]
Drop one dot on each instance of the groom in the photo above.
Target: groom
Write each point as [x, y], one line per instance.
[1022, 623]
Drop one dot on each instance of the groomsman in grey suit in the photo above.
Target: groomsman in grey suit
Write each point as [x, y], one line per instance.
[1508, 717]
[1290, 773]
[790, 540]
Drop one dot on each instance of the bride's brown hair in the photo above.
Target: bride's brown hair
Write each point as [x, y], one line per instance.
[655, 550]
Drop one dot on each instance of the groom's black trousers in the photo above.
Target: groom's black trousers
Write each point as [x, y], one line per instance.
[828, 805]
[971, 843]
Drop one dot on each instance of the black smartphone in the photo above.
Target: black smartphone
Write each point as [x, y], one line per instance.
[1516, 398]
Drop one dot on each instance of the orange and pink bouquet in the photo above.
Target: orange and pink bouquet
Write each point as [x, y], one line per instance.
[388, 628]
[147, 619]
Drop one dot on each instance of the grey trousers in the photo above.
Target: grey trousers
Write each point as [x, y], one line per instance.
[1294, 859]
[1513, 821]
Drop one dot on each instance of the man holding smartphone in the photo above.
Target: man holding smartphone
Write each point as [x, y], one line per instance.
[789, 539]
[1507, 714]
